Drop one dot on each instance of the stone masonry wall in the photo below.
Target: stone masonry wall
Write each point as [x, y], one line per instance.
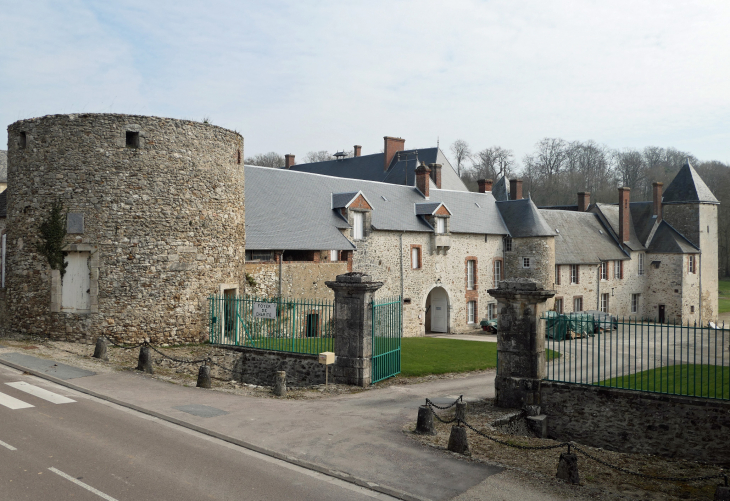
[637, 422]
[541, 251]
[259, 367]
[163, 223]
[299, 279]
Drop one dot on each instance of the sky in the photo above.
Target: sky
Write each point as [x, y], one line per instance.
[300, 76]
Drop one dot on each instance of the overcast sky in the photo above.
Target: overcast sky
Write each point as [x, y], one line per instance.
[297, 76]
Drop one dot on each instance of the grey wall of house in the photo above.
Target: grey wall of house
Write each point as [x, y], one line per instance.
[298, 279]
[259, 367]
[636, 422]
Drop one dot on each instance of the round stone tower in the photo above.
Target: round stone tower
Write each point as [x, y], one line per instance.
[154, 214]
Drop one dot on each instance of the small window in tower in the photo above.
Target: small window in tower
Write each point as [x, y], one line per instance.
[22, 139]
[132, 139]
[238, 159]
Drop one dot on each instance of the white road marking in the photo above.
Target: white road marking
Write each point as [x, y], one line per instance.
[54, 398]
[12, 402]
[8, 446]
[81, 484]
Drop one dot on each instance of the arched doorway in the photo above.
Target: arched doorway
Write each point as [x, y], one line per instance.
[437, 310]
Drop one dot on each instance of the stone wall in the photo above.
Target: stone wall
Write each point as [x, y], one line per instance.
[299, 279]
[259, 367]
[637, 422]
[541, 251]
[163, 224]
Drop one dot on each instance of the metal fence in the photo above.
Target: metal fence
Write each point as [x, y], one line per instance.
[689, 360]
[387, 335]
[272, 323]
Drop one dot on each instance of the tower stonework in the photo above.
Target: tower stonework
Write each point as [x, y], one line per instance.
[155, 224]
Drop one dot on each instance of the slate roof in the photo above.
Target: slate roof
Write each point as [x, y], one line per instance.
[3, 166]
[581, 238]
[427, 208]
[400, 171]
[688, 186]
[340, 200]
[667, 240]
[500, 190]
[523, 219]
[609, 215]
[292, 210]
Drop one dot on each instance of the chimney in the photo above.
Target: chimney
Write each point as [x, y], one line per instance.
[657, 199]
[423, 177]
[515, 189]
[357, 150]
[392, 146]
[623, 213]
[584, 200]
[485, 185]
[436, 174]
[288, 161]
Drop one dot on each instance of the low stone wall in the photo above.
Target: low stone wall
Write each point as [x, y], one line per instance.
[637, 422]
[253, 366]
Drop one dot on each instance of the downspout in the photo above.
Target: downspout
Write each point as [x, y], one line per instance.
[401, 285]
[700, 268]
[281, 258]
[598, 288]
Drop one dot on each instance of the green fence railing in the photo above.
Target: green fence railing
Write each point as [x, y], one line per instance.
[387, 334]
[601, 350]
[272, 323]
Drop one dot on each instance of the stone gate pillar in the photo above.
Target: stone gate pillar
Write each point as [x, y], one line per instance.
[520, 341]
[353, 327]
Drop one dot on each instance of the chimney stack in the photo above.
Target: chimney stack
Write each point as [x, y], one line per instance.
[485, 185]
[288, 161]
[515, 189]
[392, 146]
[436, 174]
[657, 199]
[357, 150]
[624, 214]
[584, 200]
[423, 177]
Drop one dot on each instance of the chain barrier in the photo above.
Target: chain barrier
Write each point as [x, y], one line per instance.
[143, 343]
[180, 360]
[432, 405]
[569, 445]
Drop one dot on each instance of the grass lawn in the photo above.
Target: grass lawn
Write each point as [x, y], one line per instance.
[723, 295]
[697, 380]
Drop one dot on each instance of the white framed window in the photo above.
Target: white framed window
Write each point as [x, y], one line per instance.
[491, 311]
[358, 219]
[574, 273]
[691, 266]
[559, 304]
[471, 307]
[641, 263]
[557, 274]
[577, 304]
[525, 262]
[334, 255]
[617, 269]
[604, 270]
[604, 303]
[635, 303]
[440, 225]
[416, 258]
[507, 244]
[470, 277]
[497, 272]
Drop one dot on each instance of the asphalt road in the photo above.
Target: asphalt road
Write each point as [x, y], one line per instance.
[59, 444]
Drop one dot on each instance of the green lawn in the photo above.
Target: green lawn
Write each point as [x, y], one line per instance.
[723, 294]
[697, 380]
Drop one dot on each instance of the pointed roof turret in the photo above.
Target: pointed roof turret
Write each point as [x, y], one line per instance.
[500, 190]
[688, 187]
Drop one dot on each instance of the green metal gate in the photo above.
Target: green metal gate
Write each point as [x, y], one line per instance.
[387, 335]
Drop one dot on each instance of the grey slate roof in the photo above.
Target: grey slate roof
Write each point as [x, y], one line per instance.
[523, 219]
[400, 171]
[427, 208]
[688, 186]
[3, 166]
[667, 240]
[581, 238]
[609, 213]
[500, 190]
[340, 200]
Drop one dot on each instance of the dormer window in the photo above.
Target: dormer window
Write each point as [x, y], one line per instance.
[440, 225]
[356, 209]
[358, 223]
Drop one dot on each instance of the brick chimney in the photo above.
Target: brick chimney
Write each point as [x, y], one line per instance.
[624, 214]
[357, 151]
[423, 177]
[485, 185]
[584, 200]
[657, 188]
[288, 161]
[436, 174]
[515, 189]
[392, 146]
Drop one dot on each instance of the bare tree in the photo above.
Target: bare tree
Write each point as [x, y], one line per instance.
[317, 156]
[492, 163]
[462, 153]
[270, 159]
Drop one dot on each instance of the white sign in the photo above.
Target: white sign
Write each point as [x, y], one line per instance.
[264, 310]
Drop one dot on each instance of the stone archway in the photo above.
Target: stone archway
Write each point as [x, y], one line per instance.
[437, 310]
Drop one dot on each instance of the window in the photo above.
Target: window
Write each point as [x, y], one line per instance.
[471, 308]
[259, 255]
[604, 270]
[604, 303]
[559, 304]
[507, 244]
[641, 263]
[334, 255]
[357, 225]
[132, 139]
[470, 278]
[238, 158]
[634, 303]
[691, 309]
[22, 140]
[574, 273]
[557, 274]
[491, 311]
[440, 225]
[416, 257]
[617, 268]
[577, 304]
[525, 262]
[691, 264]
[497, 272]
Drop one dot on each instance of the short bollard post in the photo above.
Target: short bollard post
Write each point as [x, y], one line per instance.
[280, 384]
[424, 425]
[100, 350]
[568, 468]
[460, 411]
[204, 377]
[457, 440]
[145, 360]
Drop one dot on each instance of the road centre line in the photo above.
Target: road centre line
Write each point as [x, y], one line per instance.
[12, 402]
[36, 391]
[8, 446]
[81, 484]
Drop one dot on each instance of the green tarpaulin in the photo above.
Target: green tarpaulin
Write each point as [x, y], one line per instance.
[571, 325]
